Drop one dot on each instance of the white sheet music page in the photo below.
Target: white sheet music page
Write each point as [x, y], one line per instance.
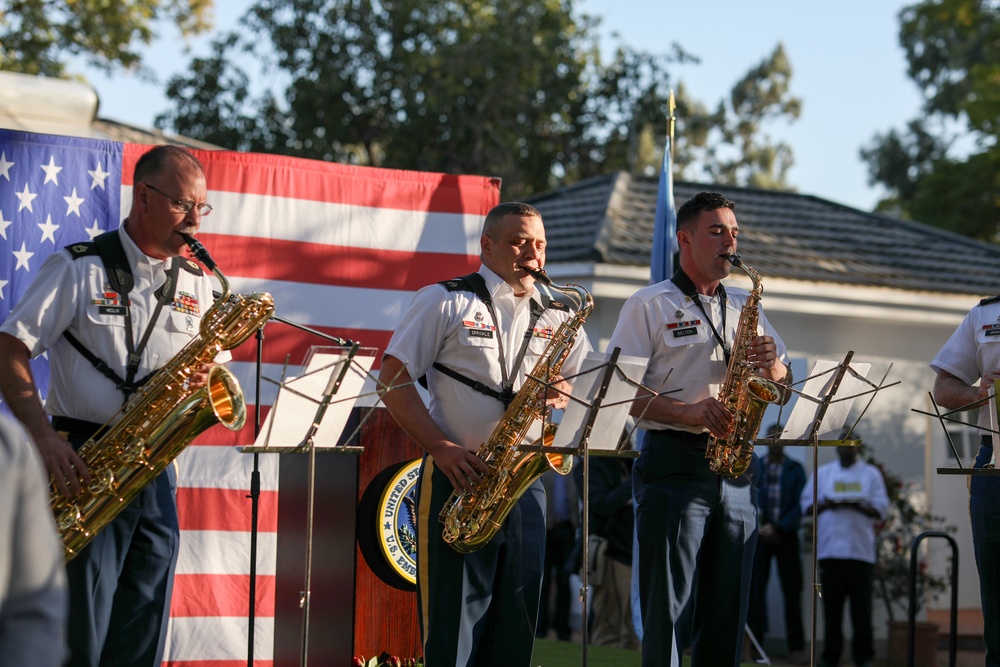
[608, 427]
[803, 416]
[292, 415]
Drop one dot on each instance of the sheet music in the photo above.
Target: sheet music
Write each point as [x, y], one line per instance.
[800, 422]
[291, 417]
[607, 430]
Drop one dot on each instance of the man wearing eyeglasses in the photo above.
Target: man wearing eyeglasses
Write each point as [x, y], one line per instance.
[110, 313]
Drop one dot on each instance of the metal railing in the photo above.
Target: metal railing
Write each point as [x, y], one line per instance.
[911, 630]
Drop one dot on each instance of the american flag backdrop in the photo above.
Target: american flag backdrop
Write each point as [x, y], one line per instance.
[340, 248]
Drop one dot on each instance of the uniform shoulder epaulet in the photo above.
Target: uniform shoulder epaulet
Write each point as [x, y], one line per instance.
[191, 266]
[471, 283]
[455, 284]
[992, 299]
[463, 283]
[78, 250]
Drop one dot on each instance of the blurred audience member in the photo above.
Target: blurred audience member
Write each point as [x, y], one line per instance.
[850, 499]
[33, 597]
[611, 522]
[562, 517]
[779, 512]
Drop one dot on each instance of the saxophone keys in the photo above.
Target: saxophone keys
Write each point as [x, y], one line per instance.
[103, 483]
[69, 517]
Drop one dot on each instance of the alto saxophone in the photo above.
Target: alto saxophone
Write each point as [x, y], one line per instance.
[472, 518]
[163, 416]
[745, 394]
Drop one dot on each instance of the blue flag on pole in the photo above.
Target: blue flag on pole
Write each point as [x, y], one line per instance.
[665, 224]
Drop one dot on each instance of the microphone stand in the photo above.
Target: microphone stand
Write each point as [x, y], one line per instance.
[254, 503]
[255, 474]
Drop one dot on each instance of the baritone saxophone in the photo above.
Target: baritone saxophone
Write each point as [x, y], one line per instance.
[472, 518]
[163, 416]
[744, 393]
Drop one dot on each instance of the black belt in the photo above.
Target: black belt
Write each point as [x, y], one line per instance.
[77, 427]
[680, 435]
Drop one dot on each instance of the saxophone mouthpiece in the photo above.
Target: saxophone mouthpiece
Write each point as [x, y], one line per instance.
[539, 275]
[735, 259]
[199, 252]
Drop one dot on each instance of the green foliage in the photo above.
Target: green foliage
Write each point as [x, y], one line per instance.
[729, 144]
[217, 89]
[942, 169]
[510, 88]
[40, 36]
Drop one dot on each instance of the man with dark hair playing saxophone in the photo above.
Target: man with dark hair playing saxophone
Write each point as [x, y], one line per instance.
[110, 313]
[475, 338]
[696, 529]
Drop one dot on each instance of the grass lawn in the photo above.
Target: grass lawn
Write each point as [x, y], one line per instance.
[552, 653]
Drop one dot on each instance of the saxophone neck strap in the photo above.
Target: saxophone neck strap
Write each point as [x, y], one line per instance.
[686, 285]
[475, 283]
[104, 369]
[504, 398]
[119, 272]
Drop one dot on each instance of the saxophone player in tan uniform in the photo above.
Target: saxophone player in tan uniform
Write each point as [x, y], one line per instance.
[697, 530]
[475, 344]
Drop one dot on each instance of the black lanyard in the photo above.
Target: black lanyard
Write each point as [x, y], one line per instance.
[164, 294]
[686, 286]
[508, 382]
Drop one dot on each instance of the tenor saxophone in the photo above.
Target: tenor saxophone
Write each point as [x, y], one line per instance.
[472, 518]
[744, 393]
[163, 416]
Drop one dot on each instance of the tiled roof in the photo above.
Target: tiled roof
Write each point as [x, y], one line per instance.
[123, 132]
[609, 219]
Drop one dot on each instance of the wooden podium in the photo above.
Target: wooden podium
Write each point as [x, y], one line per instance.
[354, 610]
[385, 616]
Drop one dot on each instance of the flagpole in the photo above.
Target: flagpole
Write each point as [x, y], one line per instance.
[671, 122]
[664, 221]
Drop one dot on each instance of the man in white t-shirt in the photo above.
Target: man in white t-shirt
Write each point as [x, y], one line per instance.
[850, 500]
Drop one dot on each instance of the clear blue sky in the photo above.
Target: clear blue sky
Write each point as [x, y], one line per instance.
[848, 69]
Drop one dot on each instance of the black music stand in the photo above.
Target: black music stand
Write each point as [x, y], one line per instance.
[945, 418]
[603, 390]
[821, 415]
[309, 416]
[255, 481]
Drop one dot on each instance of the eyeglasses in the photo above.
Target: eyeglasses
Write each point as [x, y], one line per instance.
[185, 205]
